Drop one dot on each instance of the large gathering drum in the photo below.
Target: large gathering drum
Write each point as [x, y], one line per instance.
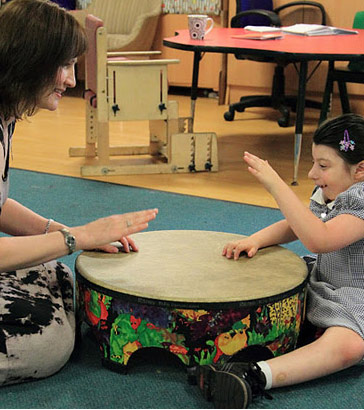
[178, 293]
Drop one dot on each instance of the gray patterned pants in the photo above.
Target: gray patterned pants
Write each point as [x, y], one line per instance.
[37, 323]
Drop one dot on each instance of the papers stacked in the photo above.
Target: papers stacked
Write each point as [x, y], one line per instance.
[263, 29]
[258, 36]
[316, 30]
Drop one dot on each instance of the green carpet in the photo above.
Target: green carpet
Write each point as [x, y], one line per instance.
[153, 381]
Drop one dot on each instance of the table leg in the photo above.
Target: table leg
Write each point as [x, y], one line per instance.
[300, 110]
[326, 102]
[194, 87]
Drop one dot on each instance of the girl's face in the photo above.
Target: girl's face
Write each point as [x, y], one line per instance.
[65, 79]
[330, 172]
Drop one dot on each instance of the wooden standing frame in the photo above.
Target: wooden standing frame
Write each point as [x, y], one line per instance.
[125, 87]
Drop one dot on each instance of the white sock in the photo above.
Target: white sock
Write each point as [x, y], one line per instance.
[264, 366]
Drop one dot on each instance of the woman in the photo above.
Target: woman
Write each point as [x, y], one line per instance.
[39, 46]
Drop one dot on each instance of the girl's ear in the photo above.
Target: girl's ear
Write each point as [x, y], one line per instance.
[359, 171]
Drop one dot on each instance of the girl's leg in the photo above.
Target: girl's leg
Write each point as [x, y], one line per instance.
[235, 384]
[337, 349]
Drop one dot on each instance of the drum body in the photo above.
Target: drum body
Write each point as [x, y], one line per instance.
[178, 293]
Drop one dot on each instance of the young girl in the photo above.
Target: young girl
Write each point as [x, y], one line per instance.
[39, 46]
[333, 228]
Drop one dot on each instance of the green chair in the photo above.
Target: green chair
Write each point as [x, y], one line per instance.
[353, 73]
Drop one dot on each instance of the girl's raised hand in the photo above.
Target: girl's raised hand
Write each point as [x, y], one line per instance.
[261, 169]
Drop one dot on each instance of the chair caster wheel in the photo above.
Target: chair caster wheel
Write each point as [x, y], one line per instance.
[283, 121]
[229, 116]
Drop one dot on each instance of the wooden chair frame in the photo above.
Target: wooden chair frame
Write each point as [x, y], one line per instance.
[173, 146]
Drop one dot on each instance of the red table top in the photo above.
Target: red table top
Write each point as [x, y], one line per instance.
[291, 47]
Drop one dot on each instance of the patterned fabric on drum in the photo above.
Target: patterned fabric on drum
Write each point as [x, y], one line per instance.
[196, 336]
[37, 323]
[336, 287]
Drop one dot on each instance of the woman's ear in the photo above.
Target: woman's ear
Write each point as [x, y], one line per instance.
[359, 171]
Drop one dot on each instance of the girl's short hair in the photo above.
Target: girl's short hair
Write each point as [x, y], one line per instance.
[334, 133]
[37, 37]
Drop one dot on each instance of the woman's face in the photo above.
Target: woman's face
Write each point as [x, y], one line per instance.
[65, 79]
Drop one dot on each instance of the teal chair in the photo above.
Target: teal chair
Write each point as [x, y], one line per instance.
[353, 73]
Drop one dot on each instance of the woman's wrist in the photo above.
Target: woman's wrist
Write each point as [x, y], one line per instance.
[52, 226]
[46, 230]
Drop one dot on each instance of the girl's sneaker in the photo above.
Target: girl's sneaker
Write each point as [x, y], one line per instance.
[232, 385]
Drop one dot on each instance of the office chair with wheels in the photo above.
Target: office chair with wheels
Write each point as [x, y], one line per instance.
[277, 100]
[248, 18]
[353, 73]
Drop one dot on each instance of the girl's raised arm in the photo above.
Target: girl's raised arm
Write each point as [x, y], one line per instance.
[316, 236]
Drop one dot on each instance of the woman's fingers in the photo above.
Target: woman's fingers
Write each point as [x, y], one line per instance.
[136, 221]
[109, 229]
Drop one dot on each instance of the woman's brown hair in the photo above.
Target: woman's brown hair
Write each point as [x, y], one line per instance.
[37, 37]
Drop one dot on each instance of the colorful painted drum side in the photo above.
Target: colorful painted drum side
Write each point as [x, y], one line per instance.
[178, 293]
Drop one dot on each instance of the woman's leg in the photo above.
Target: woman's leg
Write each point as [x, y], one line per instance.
[37, 323]
[337, 349]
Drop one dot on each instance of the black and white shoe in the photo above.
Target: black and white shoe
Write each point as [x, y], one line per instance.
[232, 385]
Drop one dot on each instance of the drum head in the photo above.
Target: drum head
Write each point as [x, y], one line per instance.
[187, 266]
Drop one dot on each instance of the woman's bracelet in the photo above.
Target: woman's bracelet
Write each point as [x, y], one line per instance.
[48, 225]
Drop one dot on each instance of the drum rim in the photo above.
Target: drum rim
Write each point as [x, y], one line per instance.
[127, 297]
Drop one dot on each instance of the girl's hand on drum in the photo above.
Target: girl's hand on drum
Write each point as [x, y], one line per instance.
[234, 249]
[262, 170]
[98, 234]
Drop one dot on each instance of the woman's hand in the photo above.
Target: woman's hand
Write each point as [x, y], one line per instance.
[98, 234]
[235, 248]
[127, 243]
[42, 248]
